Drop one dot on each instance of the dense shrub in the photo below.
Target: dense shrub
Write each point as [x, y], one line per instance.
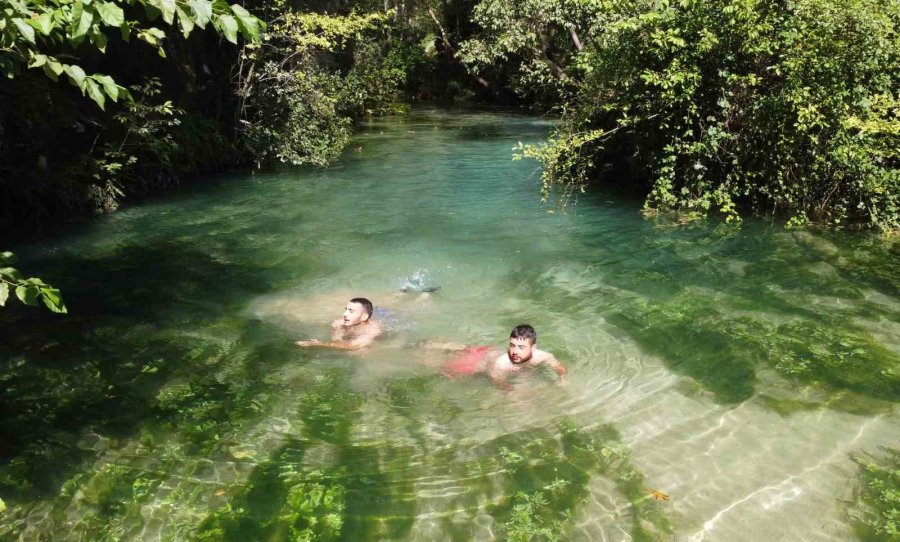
[313, 75]
[778, 107]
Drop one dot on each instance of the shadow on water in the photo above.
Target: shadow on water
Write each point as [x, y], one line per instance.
[138, 318]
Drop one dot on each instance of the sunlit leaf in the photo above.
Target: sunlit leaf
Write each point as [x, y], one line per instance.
[84, 21]
[109, 86]
[53, 300]
[25, 30]
[11, 273]
[94, 92]
[28, 294]
[76, 74]
[110, 13]
[229, 28]
[184, 21]
[248, 24]
[202, 11]
[43, 23]
[166, 7]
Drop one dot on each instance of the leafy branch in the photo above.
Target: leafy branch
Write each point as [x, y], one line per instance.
[29, 290]
[29, 29]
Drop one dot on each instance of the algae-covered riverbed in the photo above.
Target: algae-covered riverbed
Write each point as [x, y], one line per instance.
[742, 372]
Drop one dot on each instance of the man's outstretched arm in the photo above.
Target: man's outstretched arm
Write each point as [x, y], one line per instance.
[559, 369]
[339, 345]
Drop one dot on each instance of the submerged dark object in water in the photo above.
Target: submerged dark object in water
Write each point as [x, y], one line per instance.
[424, 290]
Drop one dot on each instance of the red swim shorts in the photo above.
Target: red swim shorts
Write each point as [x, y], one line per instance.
[467, 363]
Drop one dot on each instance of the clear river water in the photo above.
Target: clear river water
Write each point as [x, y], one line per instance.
[724, 381]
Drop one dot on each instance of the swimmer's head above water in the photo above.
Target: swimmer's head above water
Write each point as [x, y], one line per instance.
[357, 311]
[521, 343]
[354, 330]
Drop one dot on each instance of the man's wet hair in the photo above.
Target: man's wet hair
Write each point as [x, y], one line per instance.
[366, 304]
[524, 331]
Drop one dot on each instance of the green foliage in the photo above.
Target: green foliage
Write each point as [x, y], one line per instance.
[300, 96]
[786, 108]
[37, 34]
[532, 46]
[148, 141]
[878, 515]
[30, 290]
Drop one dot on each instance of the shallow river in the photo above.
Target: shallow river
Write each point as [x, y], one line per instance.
[737, 371]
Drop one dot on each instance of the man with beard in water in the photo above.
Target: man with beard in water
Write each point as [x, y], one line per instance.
[521, 354]
[354, 330]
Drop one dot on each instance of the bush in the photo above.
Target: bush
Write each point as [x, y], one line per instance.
[787, 108]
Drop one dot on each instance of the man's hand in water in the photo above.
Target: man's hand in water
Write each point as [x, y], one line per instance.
[310, 342]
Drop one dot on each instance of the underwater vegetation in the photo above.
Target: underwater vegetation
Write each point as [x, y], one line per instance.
[877, 511]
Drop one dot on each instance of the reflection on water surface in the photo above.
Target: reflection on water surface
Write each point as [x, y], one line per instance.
[737, 371]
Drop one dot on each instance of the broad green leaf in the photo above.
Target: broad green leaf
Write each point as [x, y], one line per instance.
[2, 506]
[93, 90]
[203, 11]
[19, 7]
[151, 35]
[53, 68]
[229, 28]
[4, 293]
[25, 29]
[99, 39]
[185, 21]
[76, 74]
[37, 61]
[35, 281]
[53, 300]
[248, 23]
[84, 22]
[123, 92]
[75, 15]
[12, 274]
[28, 294]
[43, 23]
[166, 7]
[8, 257]
[109, 86]
[50, 73]
[110, 13]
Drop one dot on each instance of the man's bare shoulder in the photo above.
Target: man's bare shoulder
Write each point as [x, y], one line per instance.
[542, 356]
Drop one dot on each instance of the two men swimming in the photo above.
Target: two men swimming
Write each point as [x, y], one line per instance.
[356, 330]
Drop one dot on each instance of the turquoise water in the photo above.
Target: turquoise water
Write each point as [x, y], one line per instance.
[737, 370]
